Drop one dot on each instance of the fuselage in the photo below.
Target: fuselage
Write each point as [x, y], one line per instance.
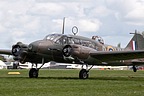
[52, 45]
[80, 50]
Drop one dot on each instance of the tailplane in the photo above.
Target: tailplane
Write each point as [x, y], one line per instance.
[136, 43]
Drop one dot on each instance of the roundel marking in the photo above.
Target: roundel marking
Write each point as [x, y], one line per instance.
[110, 48]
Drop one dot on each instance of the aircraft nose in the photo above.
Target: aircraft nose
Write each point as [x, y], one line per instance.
[39, 46]
[33, 46]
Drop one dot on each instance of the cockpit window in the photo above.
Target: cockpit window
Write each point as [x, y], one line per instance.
[63, 40]
[53, 37]
[70, 40]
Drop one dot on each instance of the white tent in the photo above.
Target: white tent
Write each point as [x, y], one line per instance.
[2, 65]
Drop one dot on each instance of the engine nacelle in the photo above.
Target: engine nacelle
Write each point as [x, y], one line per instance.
[19, 51]
[77, 51]
[18, 48]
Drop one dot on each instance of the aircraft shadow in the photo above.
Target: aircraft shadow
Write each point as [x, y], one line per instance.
[97, 78]
[76, 78]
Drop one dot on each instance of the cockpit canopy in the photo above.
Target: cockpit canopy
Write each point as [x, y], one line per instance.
[71, 39]
[53, 37]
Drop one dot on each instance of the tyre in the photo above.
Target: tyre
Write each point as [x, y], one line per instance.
[83, 74]
[33, 73]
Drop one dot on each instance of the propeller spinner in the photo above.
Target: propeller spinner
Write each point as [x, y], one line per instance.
[67, 50]
[19, 51]
[16, 50]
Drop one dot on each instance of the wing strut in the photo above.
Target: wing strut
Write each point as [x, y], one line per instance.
[33, 73]
[84, 73]
[42, 63]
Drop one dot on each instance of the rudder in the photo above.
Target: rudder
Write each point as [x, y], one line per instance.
[136, 43]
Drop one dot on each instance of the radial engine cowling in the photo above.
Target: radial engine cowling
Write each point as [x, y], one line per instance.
[18, 48]
[77, 51]
[19, 51]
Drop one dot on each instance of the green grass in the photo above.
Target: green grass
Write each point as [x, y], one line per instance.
[66, 83]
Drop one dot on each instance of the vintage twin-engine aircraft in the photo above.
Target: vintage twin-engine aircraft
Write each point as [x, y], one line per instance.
[80, 50]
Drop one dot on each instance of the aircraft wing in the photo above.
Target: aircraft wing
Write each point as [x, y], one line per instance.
[7, 52]
[117, 55]
[129, 63]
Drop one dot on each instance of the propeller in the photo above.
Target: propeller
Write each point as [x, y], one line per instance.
[67, 51]
[19, 51]
[16, 49]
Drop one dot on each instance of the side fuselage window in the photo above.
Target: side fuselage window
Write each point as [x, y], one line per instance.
[92, 45]
[76, 41]
[65, 40]
[70, 41]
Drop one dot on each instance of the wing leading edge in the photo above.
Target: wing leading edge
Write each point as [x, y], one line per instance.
[7, 52]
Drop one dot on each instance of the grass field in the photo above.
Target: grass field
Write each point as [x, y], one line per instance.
[66, 83]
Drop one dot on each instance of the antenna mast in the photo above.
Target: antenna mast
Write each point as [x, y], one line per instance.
[63, 25]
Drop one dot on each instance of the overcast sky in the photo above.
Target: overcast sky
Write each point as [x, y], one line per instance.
[30, 20]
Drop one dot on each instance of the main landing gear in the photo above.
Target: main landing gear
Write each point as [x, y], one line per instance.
[84, 73]
[33, 73]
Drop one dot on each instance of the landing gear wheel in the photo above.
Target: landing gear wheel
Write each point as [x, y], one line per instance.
[33, 73]
[83, 74]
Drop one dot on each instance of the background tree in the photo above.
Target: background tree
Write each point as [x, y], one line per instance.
[2, 58]
[143, 33]
[119, 45]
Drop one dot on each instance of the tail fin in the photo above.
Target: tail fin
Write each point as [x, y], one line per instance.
[136, 43]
